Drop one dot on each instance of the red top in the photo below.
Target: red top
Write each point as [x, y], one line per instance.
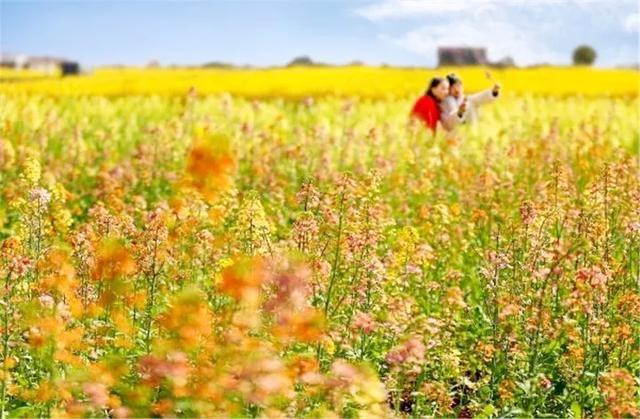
[427, 110]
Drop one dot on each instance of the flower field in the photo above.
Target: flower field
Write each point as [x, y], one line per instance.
[275, 252]
[301, 82]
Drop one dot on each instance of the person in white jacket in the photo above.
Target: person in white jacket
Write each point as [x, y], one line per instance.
[458, 109]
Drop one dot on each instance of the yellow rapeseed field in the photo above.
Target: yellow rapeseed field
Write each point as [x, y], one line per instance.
[297, 82]
[10, 74]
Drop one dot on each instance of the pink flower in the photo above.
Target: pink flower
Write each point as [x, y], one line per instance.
[46, 300]
[412, 352]
[363, 321]
[634, 227]
[544, 381]
[40, 195]
[344, 371]
[527, 213]
[97, 393]
[121, 413]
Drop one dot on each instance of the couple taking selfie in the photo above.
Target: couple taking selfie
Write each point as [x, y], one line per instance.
[444, 102]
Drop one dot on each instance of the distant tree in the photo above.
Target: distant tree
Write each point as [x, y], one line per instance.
[503, 63]
[302, 60]
[217, 64]
[584, 55]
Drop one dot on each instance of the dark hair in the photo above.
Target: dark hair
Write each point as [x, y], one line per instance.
[453, 78]
[435, 82]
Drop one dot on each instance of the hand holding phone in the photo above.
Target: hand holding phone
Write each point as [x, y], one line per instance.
[463, 107]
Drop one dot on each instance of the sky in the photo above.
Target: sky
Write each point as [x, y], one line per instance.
[272, 32]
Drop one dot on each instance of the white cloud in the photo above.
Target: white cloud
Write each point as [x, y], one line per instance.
[501, 39]
[632, 23]
[411, 8]
[385, 9]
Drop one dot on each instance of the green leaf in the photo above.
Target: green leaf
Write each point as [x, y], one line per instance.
[488, 410]
[576, 410]
[24, 412]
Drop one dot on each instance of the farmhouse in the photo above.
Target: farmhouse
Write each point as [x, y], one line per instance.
[462, 56]
[47, 65]
[16, 61]
[51, 65]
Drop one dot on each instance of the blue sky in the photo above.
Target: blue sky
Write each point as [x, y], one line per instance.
[272, 32]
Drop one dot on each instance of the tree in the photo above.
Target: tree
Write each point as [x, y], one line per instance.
[584, 55]
[302, 60]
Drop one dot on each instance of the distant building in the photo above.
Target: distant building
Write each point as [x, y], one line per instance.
[16, 61]
[46, 65]
[69, 67]
[51, 65]
[43, 64]
[462, 56]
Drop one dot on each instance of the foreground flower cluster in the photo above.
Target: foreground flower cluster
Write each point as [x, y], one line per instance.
[214, 256]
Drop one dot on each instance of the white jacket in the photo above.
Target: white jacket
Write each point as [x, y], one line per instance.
[449, 108]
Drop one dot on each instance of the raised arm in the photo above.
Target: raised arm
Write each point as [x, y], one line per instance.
[485, 96]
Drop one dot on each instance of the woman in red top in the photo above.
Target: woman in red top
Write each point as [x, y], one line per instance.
[427, 108]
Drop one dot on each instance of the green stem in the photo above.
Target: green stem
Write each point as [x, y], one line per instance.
[5, 349]
[336, 258]
[151, 299]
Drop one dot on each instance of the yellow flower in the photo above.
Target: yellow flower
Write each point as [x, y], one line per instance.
[7, 154]
[329, 346]
[62, 218]
[225, 262]
[31, 171]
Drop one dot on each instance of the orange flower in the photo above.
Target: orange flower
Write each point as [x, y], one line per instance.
[243, 280]
[620, 389]
[455, 298]
[437, 392]
[163, 407]
[36, 338]
[188, 318]
[509, 311]
[506, 390]
[209, 165]
[113, 261]
[302, 365]
[46, 392]
[62, 275]
[304, 326]
[487, 350]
